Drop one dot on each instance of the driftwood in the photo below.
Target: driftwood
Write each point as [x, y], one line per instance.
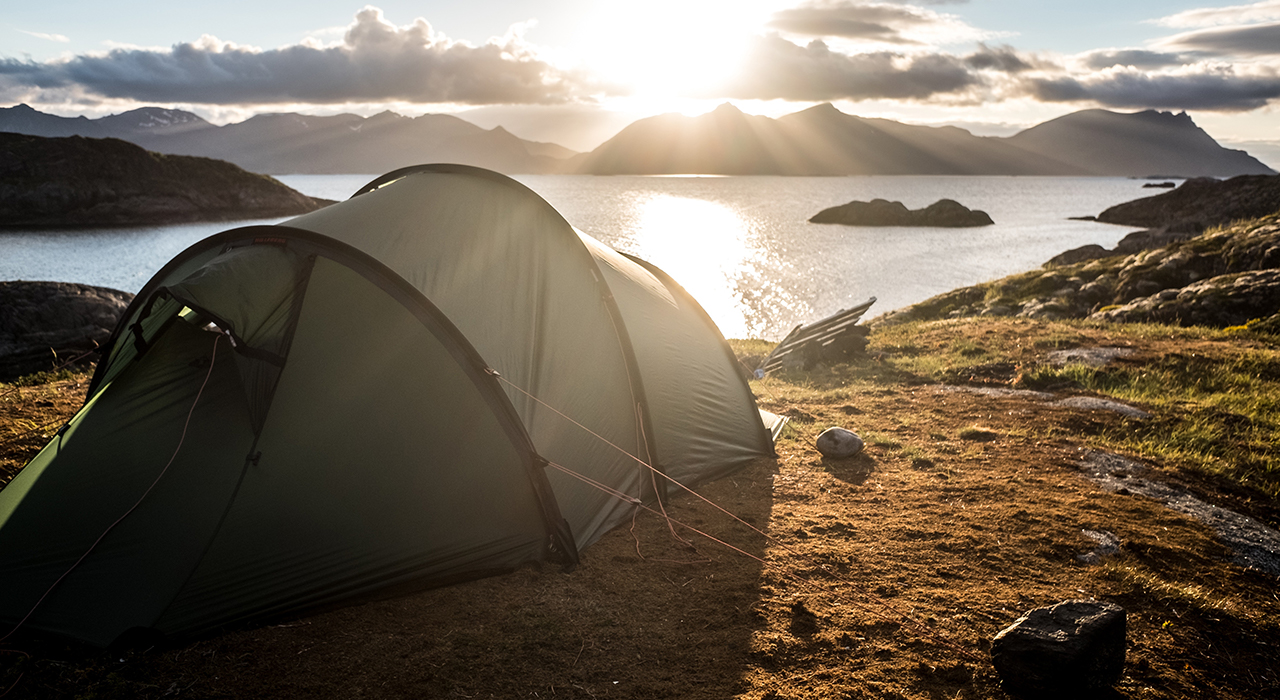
[831, 338]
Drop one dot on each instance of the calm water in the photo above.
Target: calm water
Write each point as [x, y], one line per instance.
[741, 245]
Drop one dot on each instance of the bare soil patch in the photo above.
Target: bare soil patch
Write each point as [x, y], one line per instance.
[884, 576]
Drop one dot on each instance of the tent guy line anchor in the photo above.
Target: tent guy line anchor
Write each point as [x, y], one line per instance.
[907, 617]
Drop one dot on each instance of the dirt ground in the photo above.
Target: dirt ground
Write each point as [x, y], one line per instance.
[882, 576]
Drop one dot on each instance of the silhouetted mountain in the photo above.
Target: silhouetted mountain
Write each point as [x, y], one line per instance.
[1139, 144]
[817, 141]
[824, 141]
[297, 143]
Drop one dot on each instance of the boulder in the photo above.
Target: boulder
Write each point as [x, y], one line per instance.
[43, 324]
[1139, 241]
[838, 443]
[1092, 251]
[880, 212]
[1072, 649]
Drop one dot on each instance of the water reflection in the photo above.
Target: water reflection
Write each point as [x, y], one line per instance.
[711, 250]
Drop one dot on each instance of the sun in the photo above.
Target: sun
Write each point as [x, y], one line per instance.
[664, 49]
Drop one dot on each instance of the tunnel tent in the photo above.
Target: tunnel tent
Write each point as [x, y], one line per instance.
[367, 399]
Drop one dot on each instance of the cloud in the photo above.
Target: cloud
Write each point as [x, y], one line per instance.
[1252, 40]
[1003, 59]
[1138, 58]
[1266, 11]
[375, 60]
[881, 22]
[851, 20]
[47, 37]
[778, 69]
[1131, 88]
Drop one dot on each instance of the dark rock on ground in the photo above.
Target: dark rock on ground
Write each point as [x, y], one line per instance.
[43, 324]
[79, 181]
[1201, 203]
[1065, 650]
[880, 212]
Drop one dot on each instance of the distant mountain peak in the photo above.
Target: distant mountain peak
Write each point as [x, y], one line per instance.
[156, 117]
[824, 108]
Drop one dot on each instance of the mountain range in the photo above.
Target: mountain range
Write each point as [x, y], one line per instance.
[299, 143]
[820, 140]
[824, 141]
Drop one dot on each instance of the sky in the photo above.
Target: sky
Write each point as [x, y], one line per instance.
[574, 72]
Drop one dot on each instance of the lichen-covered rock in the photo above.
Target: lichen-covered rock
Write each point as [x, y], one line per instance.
[1225, 300]
[45, 323]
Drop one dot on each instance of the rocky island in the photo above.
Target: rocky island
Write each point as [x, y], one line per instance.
[77, 181]
[881, 212]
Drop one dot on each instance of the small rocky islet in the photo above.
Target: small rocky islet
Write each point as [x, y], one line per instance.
[944, 213]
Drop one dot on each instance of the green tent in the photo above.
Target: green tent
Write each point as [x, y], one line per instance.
[435, 380]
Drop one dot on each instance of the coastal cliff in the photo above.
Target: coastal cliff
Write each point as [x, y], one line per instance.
[77, 181]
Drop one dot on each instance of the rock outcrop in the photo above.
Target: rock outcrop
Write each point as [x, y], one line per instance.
[881, 212]
[43, 324]
[1201, 203]
[1221, 278]
[78, 181]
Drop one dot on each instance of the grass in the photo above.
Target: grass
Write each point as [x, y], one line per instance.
[1215, 394]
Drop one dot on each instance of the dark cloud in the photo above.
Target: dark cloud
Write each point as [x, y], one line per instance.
[852, 20]
[376, 61]
[1253, 40]
[779, 69]
[1206, 91]
[1002, 58]
[1138, 58]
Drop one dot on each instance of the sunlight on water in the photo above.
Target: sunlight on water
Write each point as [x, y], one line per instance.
[703, 245]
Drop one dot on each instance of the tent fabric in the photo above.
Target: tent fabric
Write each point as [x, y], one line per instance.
[375, 391]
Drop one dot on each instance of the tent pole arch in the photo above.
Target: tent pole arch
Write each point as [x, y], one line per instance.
[634, 377]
